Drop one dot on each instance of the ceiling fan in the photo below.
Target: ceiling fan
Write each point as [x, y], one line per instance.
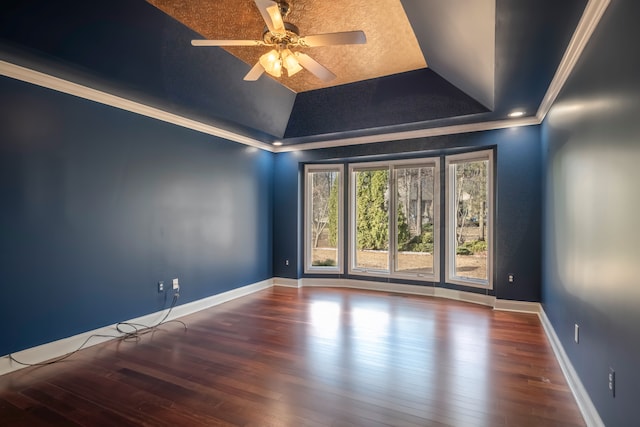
[282, 37]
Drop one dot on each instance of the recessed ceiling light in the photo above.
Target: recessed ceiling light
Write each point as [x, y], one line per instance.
[517, 113]
[277, 143]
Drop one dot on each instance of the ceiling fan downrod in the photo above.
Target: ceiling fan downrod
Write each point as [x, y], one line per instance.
[284, 6]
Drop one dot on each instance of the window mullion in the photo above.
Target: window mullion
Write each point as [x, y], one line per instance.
[393, 229]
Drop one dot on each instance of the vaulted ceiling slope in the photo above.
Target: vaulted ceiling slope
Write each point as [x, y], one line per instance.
[136, 51]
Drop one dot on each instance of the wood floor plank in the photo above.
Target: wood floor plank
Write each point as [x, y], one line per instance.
[309, 357]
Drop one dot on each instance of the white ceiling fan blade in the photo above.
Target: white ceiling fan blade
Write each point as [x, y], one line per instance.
[255, 73]
[271, 14]
[276, 18]
[314, 67]
[329, 39]
[227, 43]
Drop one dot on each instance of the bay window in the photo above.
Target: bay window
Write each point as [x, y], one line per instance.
[396, 212]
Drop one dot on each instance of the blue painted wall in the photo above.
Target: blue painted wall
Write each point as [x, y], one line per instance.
[98, 204]
[591, 141]
[518, 208]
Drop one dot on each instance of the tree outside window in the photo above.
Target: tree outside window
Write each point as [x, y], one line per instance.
[323, 220]
[469, 239]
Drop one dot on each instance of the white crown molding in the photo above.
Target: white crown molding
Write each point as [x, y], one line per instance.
[589, 21]
[419, 133]
[61, 85]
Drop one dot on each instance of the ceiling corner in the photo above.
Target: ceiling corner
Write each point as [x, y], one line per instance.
[457, 38]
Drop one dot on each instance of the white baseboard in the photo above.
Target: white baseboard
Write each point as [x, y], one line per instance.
[518, 306]
[370, 285]
[481, 299]
[588, 410]
[287, 283]
[64, 346]
[51, 350]
[203, 304]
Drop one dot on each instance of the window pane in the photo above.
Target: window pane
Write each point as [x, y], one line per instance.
[471, 197]
[414, 219]
[372, 219]
[324, 218]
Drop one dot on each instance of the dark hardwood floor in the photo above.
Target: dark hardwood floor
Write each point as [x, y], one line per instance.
[309, 357]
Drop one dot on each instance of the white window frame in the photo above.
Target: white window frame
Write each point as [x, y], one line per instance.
[450, 222]
[433, 162]
[393, 240]
[352, 219]
[308, 227]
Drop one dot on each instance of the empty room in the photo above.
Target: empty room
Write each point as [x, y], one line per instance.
[312, 213]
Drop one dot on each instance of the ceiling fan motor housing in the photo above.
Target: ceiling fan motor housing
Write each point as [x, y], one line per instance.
[290, 37]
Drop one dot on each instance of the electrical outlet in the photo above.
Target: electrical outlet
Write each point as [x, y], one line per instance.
[286, 262]
[176, 285]
[511, 277]
[160, 286]
[612, 382]
[576, 333]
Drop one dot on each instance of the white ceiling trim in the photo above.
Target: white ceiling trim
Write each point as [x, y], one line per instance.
[420, 133]
[61, 85]
[589, 21]
[587, 25]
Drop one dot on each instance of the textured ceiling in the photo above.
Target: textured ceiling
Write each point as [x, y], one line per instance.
[391, 46]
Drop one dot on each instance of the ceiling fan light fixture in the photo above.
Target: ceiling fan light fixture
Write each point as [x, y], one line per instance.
[290, 62]
[282, 36]
[272, 63]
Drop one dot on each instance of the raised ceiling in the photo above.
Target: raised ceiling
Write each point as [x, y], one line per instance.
[391, 46]
[486, 58]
